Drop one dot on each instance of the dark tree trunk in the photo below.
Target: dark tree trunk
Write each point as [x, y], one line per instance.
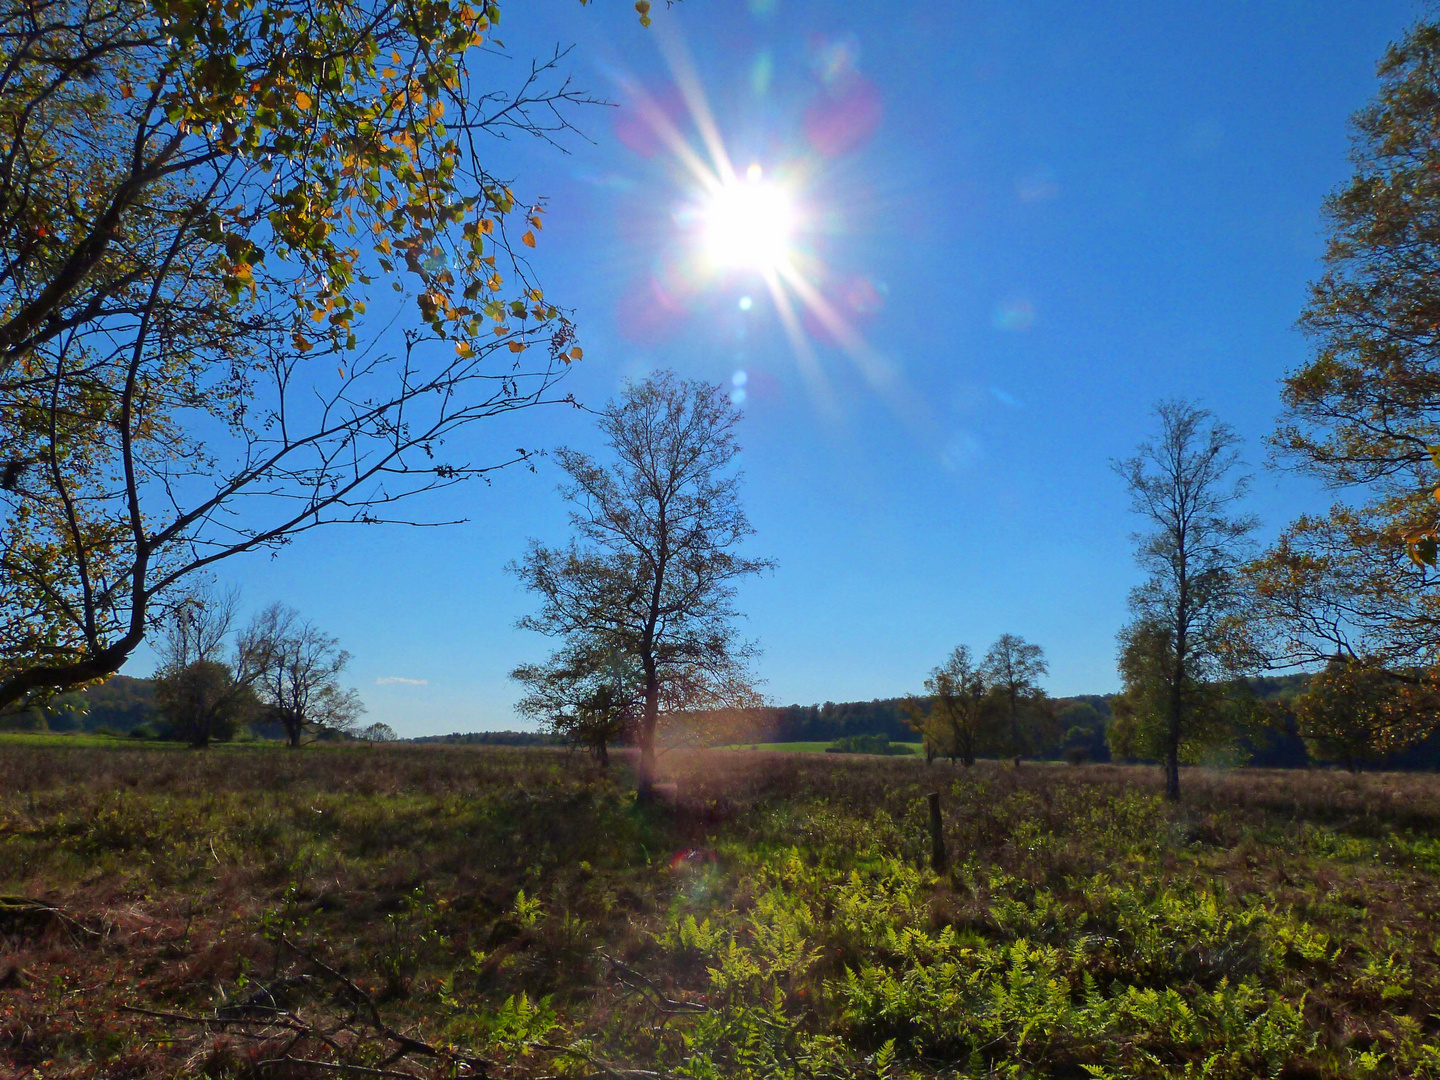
[1176, 725]
[603, 754]
[937, 835]
[645, 789]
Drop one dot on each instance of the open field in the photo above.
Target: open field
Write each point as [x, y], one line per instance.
[281, 914]
[74, 739]
[801, 747]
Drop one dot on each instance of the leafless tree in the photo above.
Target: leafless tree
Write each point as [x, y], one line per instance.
[199, 628]
[297, 670]
[652, 570]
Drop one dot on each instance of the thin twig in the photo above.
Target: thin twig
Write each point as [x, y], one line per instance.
[608, 1067]
[339, 1066]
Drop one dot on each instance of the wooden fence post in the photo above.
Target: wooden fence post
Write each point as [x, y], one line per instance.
[937, 836]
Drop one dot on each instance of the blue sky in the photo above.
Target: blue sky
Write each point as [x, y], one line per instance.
[1039, 217]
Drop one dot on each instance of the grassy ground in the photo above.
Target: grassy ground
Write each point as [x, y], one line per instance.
[801, 747]
[419, 912]
[73, 739]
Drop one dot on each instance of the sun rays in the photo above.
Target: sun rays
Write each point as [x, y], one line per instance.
[764, 219]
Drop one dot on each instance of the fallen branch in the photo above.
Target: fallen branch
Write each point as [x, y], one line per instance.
[607, 1067]
[406, 1044]
[277, 1019]
[28, 909]
[638, 981]
[338, 1066]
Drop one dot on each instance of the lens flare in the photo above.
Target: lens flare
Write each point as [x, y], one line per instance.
[749, 223]
[737, 224]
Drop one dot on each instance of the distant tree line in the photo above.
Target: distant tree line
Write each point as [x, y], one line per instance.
[492, 738]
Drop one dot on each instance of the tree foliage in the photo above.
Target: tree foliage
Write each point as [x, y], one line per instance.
[205, 702]
[1013, 665]
[588, 694]
[960, 721]
[1358, 713]
[1364, 412]
[199, 202]
[651, 571]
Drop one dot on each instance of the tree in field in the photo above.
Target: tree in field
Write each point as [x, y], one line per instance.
[588, 695]
[1184, 484]
[297, 674]
[197, 204]
[205, 702]
[1358, 713]
[650, 574]
[378, 732]
[1215, 708]
[1364, 413]
[203, 698]
[960, 722]
[1012, 665]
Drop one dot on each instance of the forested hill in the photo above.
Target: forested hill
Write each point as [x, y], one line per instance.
[120, 703]
[1081, 723]
[123, 703]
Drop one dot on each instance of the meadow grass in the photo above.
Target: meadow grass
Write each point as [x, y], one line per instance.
[801, 747]
[291, 914]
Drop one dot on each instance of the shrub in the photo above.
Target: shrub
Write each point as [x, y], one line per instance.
[867, 744]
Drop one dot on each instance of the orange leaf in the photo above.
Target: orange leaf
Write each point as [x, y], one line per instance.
[517, 346]
[303, 100]
[577, 353]
[528, 239]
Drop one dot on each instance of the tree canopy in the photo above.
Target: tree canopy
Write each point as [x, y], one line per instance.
[650, 573]
[1363, 414]
[200, 203]
[1184, 484]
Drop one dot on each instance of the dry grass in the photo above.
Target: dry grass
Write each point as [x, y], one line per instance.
[446, 883]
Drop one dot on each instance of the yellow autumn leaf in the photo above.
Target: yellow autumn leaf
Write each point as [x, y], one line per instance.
[517, 346]
[577, 353]
[463, 349]
[528, 239]
[303, 100]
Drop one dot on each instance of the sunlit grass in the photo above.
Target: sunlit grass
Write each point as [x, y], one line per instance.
[512, 901]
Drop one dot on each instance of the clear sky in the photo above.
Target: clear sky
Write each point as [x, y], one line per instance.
[1023, 222]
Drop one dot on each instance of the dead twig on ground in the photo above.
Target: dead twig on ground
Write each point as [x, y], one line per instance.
[340, 1066]
[21, 910]
[607, 1067]
[642, 983]
[404, 1044]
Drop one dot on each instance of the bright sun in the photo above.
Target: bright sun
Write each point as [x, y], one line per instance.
[748, 223]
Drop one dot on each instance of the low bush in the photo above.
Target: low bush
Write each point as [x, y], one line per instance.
[868, 744]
